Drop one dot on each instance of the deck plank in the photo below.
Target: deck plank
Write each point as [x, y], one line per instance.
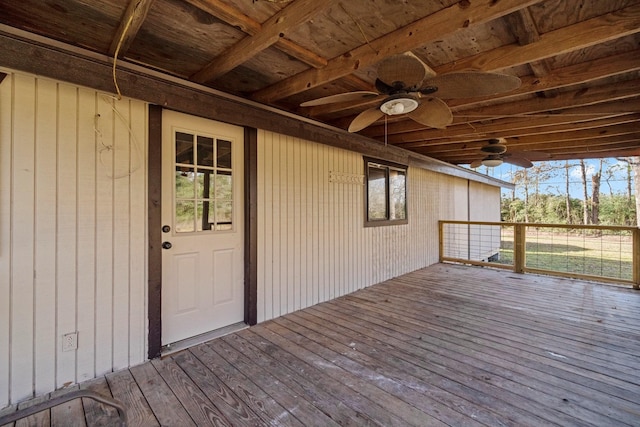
[196, 403]
[164, 404]
[445, 345]
[124, 388]
[217, 391]
[96, 413]
[68, 414]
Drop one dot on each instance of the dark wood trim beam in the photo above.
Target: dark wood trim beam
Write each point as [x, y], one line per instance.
[62, 62]
[448, 21]
[154, 222]
[251, 226]
[130, 24]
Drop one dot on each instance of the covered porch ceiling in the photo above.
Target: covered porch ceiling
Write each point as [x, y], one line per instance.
[578, 61]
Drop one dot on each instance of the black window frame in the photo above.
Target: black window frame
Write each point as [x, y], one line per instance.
[387, 167]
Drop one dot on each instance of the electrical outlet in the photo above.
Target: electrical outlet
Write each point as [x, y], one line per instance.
[70, 341]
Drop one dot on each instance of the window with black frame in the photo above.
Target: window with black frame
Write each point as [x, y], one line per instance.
[386, 193]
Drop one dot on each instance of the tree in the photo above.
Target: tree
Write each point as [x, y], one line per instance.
[633, 165]
[595, 195]
[585, 198]
[567, 168]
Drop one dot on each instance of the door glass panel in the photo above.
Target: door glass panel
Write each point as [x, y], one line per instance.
[185, 185]
[206, 187]
[205, 151]
[203, 183]
[185, 217]
[224, 154]
[223, 185]
[184, 148]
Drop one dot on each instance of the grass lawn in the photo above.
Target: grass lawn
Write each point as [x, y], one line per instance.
[574, 252]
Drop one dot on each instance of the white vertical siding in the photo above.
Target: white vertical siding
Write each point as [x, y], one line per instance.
[312, 243]
[72, 234]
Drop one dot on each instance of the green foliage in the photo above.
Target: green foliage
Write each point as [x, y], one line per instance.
[616, 209]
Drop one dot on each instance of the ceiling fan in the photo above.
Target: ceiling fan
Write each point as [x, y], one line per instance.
[411, 87]
[496, 153]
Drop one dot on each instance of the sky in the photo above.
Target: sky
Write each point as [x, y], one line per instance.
[614, 177]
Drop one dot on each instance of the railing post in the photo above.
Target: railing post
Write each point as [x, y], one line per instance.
[519, 246]
[441, 241]
[636, 258]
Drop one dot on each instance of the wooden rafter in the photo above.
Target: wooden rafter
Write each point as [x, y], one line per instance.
[271, 31]
[130, 24]
[234, 17]
[447, 21]
[584, 34]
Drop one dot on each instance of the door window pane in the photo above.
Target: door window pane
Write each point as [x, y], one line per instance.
[185, 217]
[224, 154]
[205, 151]
[185, 183]
[184, 148]
[203, 188]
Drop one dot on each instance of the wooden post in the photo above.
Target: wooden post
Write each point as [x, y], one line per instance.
[519, 247]
[636, 258]
[440, 240]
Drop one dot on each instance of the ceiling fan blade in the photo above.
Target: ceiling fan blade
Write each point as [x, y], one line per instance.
[475, 164]
[472, 84]
[341, 97]
[432, 112]
[365, 118]
[404, 71]
[518, 161]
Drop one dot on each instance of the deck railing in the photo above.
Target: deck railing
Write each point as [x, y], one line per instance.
[591, 252]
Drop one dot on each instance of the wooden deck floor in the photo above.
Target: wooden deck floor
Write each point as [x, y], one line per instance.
[446, 345]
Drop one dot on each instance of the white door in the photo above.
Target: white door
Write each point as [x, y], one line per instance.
[202, 195]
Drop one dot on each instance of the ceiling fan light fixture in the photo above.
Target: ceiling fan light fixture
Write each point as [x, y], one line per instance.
[492, 162]
[401, 105]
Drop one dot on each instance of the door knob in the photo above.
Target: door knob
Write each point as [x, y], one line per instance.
[166, 245]
[166, 229]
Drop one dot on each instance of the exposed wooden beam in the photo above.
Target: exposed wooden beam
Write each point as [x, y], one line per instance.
[561, 77]
[550, 150]
[461, 126]
[271, 31]
[130, 24]
[463, 142]
[234, 17]
[450, 20]
[587, 33]
[574, 98]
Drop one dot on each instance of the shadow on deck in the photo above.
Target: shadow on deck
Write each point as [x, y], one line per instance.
[445, 345]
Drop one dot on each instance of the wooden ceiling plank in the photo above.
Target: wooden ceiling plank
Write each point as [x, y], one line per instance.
[581, 73]
[130, 24]
[460, 143]
[272, 30]
[228, 14]
[499, 127]
[447, 21]
[587, 33]
[234, 17]
[550, 148]
[628, 143]
[574, 98]
[579, 137]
